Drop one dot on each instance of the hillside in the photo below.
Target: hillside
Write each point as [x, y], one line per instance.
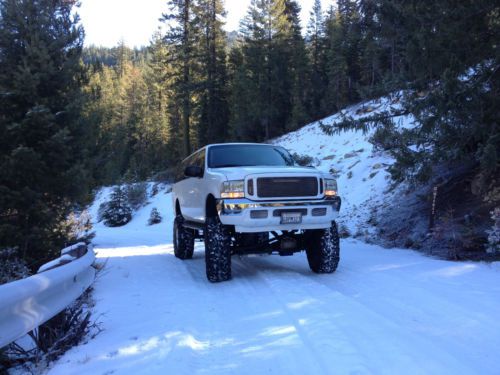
[364, 184]
[377, 209]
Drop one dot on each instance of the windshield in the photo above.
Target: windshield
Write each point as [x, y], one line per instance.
[248, 155]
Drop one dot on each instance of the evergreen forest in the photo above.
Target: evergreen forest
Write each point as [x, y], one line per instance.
[73, 118]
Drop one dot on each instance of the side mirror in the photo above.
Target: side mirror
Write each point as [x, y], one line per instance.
[193, 171]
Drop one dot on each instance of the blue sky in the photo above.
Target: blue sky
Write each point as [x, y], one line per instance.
[108, 21]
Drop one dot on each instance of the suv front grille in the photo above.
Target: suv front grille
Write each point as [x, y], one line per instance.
[270, 187]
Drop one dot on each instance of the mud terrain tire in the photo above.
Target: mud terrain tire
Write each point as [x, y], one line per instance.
[323, 250]
[217, 250]
[183, 239]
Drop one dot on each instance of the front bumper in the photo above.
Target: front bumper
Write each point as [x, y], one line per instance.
[248, 216]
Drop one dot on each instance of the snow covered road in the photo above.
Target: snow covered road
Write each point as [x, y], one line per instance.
[382, 312]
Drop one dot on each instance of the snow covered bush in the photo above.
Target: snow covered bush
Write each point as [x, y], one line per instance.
[154, 217]
[117, 212]
[155, 189]
[79, 227]
[344, 231]
[494, 234]
[137, 194]
[305, 160]
[11, 266]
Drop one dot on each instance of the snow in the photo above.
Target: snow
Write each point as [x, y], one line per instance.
[66, 258]
[383, 311]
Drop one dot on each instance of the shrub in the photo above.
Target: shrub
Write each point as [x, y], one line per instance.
[165, 177]
[344, 231]
[304, 160]
[154, 217]
[52, 339]
[155, 189]
[12, 267]
[117, 211]
[137, 194]
[78, 227]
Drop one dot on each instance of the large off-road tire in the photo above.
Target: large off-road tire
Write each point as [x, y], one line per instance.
[183, 239]
[323, 250]
[217, 250]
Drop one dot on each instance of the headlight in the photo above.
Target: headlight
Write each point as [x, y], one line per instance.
[233, 189]
[330, 187]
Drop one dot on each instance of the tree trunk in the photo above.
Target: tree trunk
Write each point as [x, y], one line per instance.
[186, 107]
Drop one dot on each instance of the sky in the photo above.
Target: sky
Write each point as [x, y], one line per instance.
[106, 22]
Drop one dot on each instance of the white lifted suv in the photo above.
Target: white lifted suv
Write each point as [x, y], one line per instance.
[250, 198]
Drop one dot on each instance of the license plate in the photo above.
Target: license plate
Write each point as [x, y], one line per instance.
[291, 218]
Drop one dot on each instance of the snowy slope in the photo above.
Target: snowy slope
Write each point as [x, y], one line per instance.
[137, 232]
[362, 177]
[382, 312]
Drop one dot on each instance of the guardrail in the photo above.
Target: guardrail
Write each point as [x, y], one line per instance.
[25, 304]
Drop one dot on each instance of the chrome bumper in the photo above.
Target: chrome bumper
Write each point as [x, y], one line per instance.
[237, 212]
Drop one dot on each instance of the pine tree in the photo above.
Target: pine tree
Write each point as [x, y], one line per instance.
[160, 137]
[316, 49]
[291, 63]
[370, 51]
[271, 74]
[154, 217]
[43, 139]
[213, 122]
[182, 30]
[453, 52]
[253, 91]
[117, 212]
[336, 68]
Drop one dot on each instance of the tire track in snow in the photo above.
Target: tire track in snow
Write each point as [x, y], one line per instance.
[310, 345]
[362, 338]
[430, 311]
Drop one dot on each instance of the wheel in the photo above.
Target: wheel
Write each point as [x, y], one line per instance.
[323, 250]
[217, 250]
[183, 239]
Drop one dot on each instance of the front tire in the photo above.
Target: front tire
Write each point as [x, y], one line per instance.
[183, 239]
[323, 249]
[217, 250]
